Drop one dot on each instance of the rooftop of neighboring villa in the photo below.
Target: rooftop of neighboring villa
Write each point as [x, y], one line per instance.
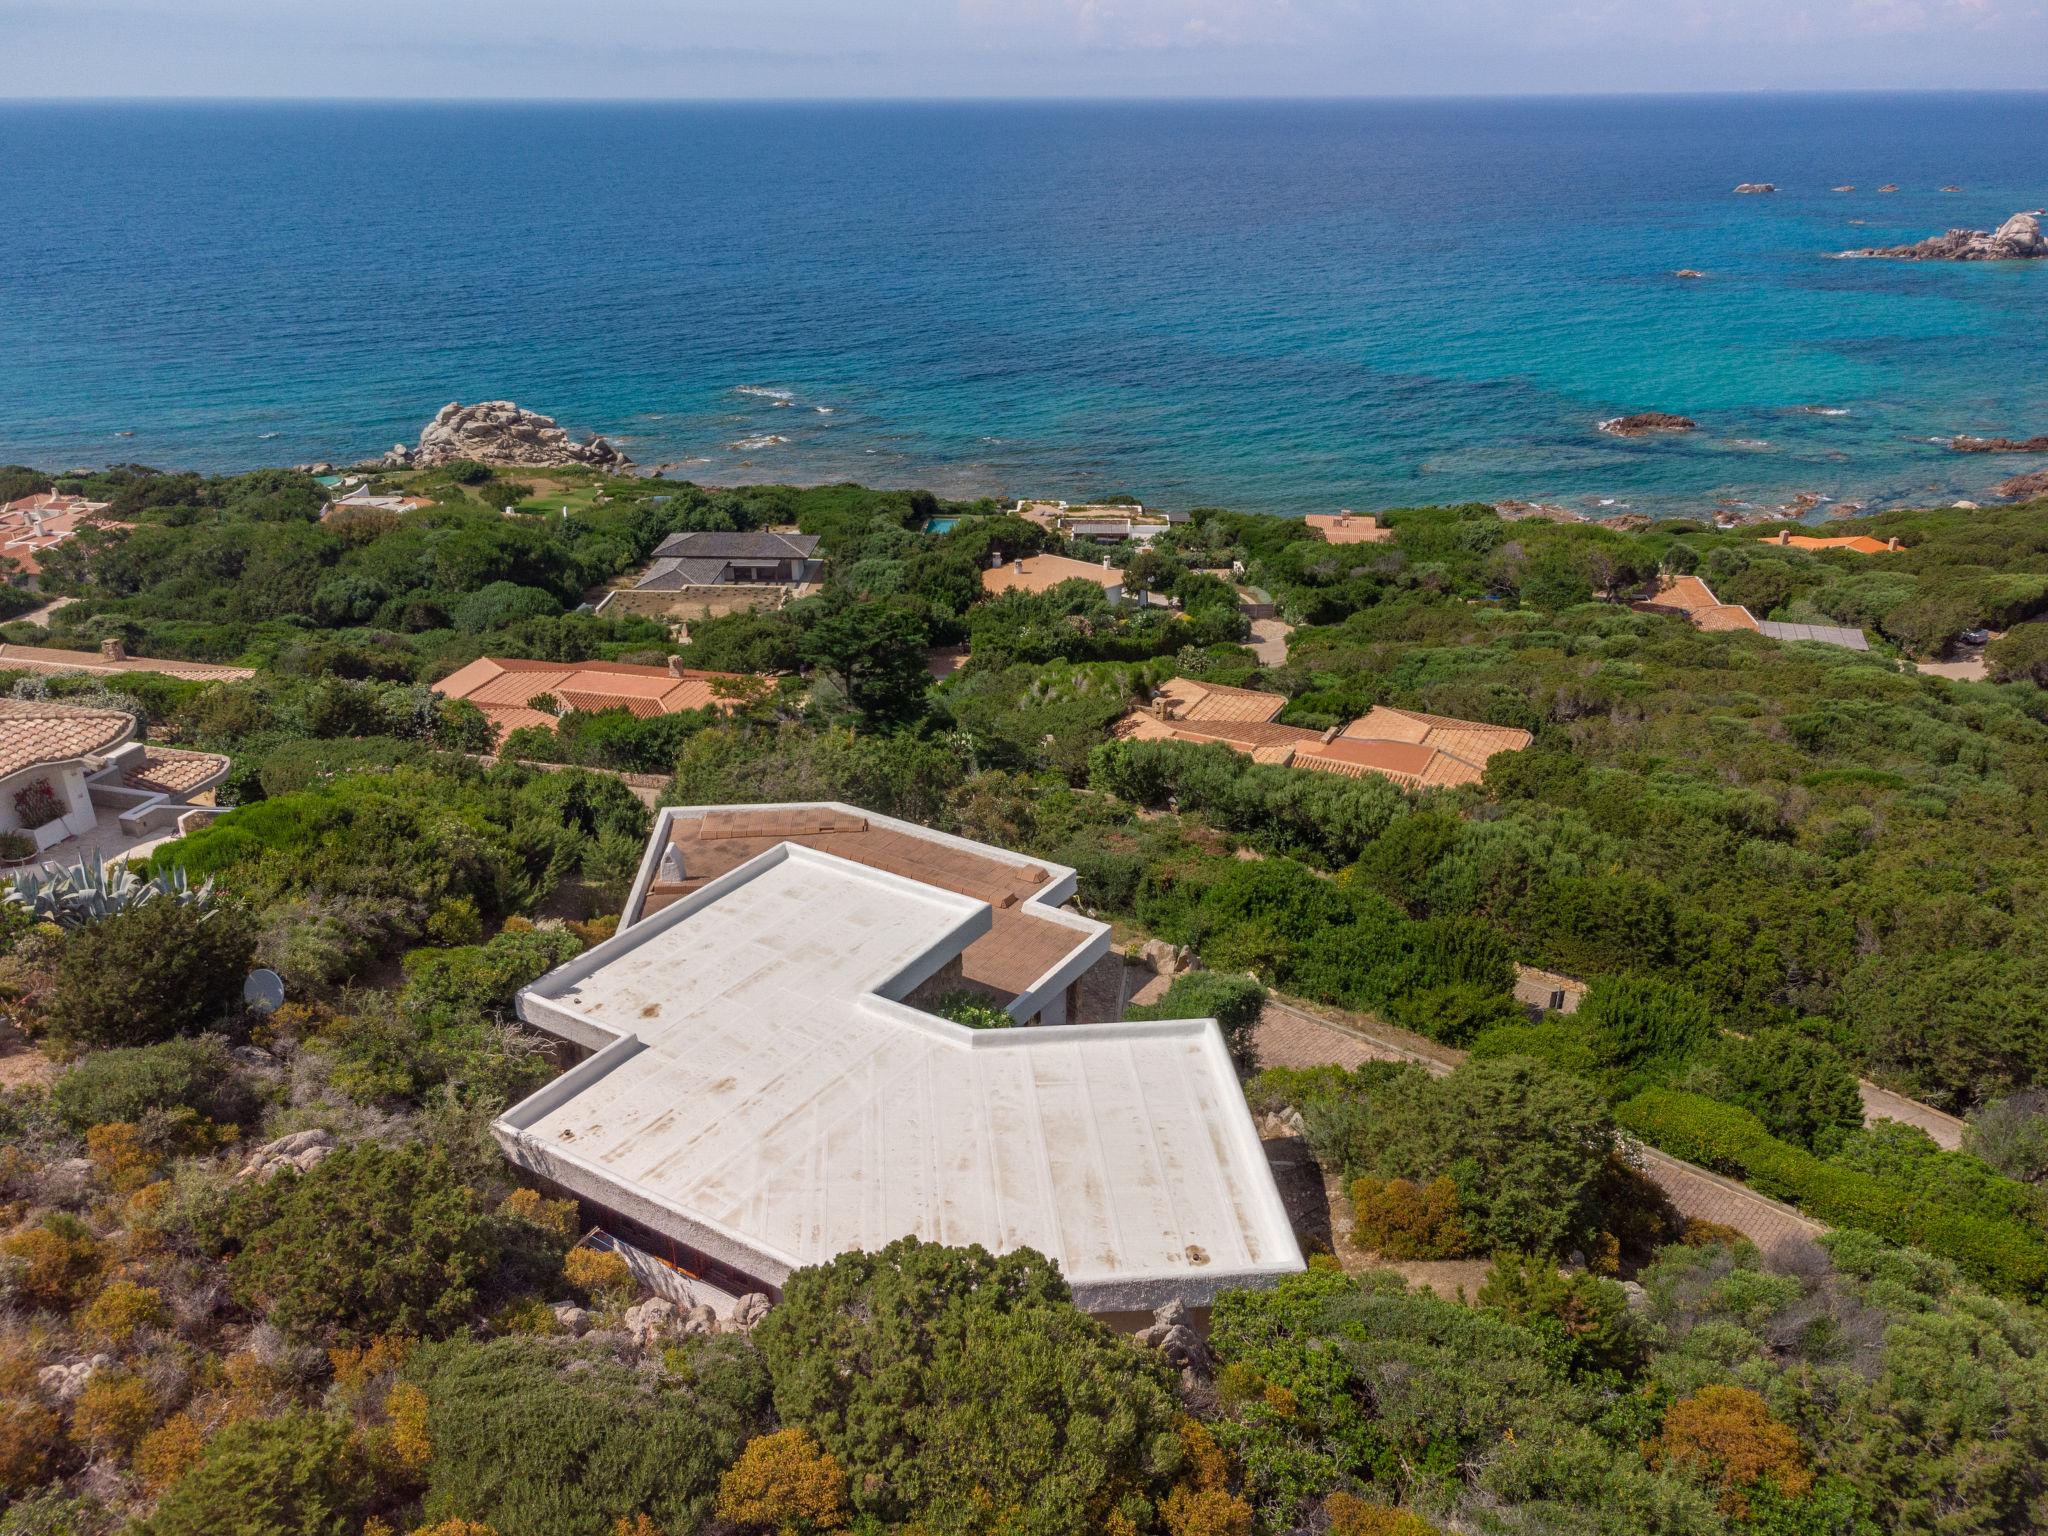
[1348, 527]
[1855, 544]
[29, 525]
[1693, 600]
[1413, 749]
[1041, 573]
[768, 1090]
[504, 688]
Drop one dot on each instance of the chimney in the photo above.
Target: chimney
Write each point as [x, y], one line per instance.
[1892, 542]
[1105, 562]
[998, 562]
[1784, 535]
[1332, 734]
[112, 649]
[676, 667]
[1162, 707]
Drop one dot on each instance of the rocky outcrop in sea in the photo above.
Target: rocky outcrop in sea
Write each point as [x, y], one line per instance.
[2017, 239]
[2032, 486]
[1752, 188]
[1646, 424]
[498, 432]
[1999, 444]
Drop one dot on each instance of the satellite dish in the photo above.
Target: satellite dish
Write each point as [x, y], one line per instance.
[263, 991]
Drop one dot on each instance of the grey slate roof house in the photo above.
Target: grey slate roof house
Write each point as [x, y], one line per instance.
[729, 559]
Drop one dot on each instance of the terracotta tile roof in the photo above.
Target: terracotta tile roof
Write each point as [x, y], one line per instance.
[1348, 528]
[1016, 951]
[1041, 573]
[40, 658]
[501, 687]
[35, 733]
[175, 773]
[1861, 543]
[1695, 600]
[1415, 750]
[1187, 699]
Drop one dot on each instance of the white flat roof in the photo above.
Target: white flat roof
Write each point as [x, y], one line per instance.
[766, 1099]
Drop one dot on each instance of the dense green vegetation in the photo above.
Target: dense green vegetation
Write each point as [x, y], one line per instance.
[1778, 867]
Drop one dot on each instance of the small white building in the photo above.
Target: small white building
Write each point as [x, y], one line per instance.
[766, 1091]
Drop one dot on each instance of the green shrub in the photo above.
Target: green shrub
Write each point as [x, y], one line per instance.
[1234, 1002]
[947, 1381]
[545, 1437]
[296, 1474]
[152, 972]
[482, 978]
[127, 1084]
[371, 1240]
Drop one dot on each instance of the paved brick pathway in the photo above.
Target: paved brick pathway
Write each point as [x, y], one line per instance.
[1883, 1104]
[1269, 641]
[1289, 1037]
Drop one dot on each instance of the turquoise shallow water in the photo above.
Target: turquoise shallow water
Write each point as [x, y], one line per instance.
[1278, 306]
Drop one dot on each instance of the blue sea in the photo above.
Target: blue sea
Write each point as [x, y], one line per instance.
[1278, 306]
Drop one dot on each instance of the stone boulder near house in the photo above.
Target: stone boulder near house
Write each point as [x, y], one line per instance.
[67, 1181]
[653, 1321]
[748, 1312]
[299, 1151]
[1174, 1337]
[2019, 238]
[497, 432]
[63, 1383]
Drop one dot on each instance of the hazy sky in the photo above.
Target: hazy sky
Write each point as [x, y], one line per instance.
[710, 48]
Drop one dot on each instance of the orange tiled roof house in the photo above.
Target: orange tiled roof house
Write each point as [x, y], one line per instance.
[62, 764]
[504, 688]
[1413, 749]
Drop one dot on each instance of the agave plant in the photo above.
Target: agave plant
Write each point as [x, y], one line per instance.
[72, 895]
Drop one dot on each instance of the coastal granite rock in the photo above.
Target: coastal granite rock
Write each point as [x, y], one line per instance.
[2017, 239]
[501, 433]
[1645, 423]
[1999, 444]
[2032, 486]
[1752, 188]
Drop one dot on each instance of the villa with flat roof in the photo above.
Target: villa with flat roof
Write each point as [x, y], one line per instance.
[1413, 749]
[767, 1089]
[503, 687]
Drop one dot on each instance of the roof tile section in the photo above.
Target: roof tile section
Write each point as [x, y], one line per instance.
[175, 773]
[1041, 573]
[503, 687]
[1415, 750]
[36, 733]
[1348, 528]
[41, 658]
